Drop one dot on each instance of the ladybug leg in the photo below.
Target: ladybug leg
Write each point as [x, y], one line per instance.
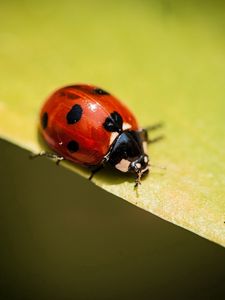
[151, 128]
[95, 170]
[143, 135]
[53, 156]
[158, 138]
[59, 159]
[154, 127]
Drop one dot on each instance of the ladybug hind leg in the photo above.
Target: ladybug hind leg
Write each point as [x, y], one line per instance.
[158, 138]
[95, 170]
[154, 126]
[53, 156]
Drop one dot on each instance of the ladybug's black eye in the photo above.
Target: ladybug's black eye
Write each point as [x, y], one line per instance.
[99, 91]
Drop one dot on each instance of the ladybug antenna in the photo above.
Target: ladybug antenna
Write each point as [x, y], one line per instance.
[158, 167]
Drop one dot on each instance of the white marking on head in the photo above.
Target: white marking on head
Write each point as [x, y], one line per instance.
[123, 165]
[146, 159]
[138, 165]
[126, 126]
[145, 147]
[113, 136]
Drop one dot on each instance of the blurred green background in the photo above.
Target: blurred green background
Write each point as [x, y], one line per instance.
[62, 237]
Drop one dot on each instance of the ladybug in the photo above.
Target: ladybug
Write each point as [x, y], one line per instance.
[88, 126]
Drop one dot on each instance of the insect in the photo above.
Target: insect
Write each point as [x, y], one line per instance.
[88, 126]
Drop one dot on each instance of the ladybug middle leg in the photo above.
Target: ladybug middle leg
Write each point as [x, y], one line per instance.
[96, 169]
[53, 156]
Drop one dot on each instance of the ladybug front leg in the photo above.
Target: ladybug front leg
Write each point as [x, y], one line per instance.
[53, 156]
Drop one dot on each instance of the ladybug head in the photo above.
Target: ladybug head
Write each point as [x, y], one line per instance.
[127, 155]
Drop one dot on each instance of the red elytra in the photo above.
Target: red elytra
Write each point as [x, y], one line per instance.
[72, 122]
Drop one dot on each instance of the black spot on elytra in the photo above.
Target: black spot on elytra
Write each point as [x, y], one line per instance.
[74, 115]
[99, 91]
[114, 122]
[73, 146]
[44, 120]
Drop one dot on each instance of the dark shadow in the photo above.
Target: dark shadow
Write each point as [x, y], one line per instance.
[62, 237]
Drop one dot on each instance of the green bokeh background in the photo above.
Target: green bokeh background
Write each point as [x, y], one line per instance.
[62, 237]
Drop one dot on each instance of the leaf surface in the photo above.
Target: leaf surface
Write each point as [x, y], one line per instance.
[165, 59]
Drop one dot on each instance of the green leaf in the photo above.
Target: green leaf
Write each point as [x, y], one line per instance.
[165, 59]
